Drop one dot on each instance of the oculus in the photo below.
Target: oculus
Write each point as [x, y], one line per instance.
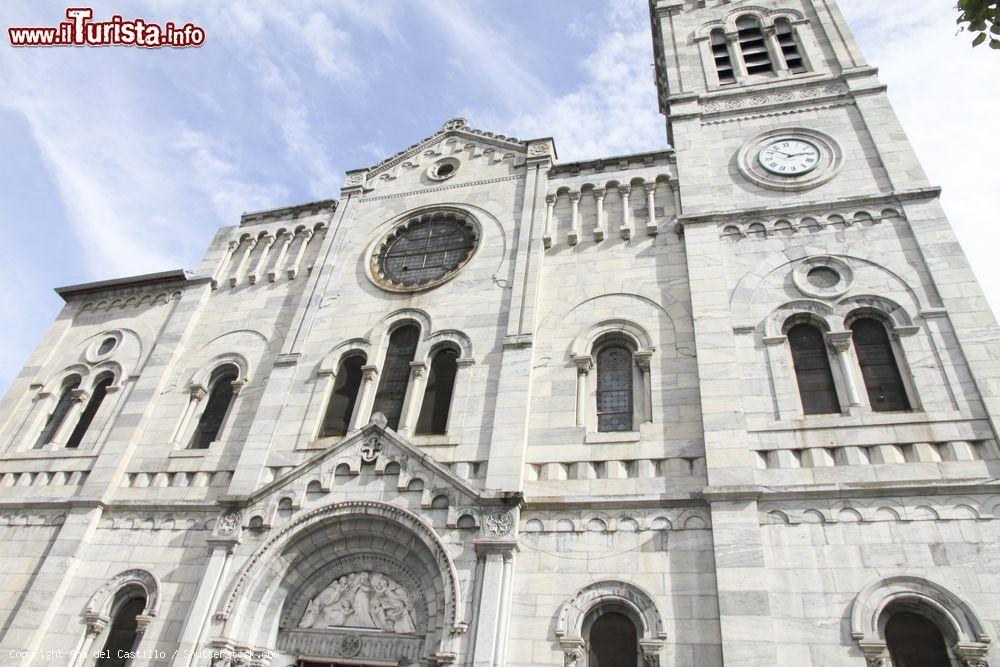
[425, 250]
[443, 169]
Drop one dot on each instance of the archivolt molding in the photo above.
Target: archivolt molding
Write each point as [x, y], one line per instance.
[962, 627]
[765, 15]
[584, 342]
[130, 301]
[744, 304]
[628, 597]
[203, 375]
[331, 362]
[257, 565]
[101, 601]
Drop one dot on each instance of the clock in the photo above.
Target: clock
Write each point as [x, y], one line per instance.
[789, 157]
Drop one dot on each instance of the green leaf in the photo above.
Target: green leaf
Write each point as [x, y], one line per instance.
[995, 43]
[980, 38]
[995, 28]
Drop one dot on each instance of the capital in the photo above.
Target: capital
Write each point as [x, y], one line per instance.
[584, 362]
[623, 190]
[550, 200]
[650, 188]
[417, 369]
[369, 372]
[574, 197]
[233, 245]
[839, 341]
[198, 392]
[599, 193]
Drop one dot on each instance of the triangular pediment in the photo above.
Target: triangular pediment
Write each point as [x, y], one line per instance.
[457, 128]
[376, 450]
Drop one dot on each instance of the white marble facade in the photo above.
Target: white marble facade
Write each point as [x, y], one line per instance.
[722, 522]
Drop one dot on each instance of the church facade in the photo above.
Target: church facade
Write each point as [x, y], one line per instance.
[732, 402]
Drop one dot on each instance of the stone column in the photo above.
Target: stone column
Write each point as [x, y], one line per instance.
[626, 230]
[300, 252]
[840, 344]
[366, 397]
[736, 55]
[221, 547]
[241, 267]
[224, 264]
[651, 228]
[262, 261]
[414, 398]
[287, 237]
[584, 362]
[198, 394]
[550, 205]
[496, 557]
[642, 359]
[599, 227]
[574, 232]
[69, 422]
[774, 49]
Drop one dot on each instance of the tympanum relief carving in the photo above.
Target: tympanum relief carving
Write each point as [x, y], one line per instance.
[361, 600]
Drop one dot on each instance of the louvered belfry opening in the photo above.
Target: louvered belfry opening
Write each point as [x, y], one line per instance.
[395, 373]
[789, 46]
[433, 418]
[812, 370]
[753, 46]
[879, 369]
[337, 420]
[723, 60]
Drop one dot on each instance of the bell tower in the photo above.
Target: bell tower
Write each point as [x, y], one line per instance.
[805, 211]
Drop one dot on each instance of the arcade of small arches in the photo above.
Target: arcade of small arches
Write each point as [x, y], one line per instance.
[271, 254]
[623, 193]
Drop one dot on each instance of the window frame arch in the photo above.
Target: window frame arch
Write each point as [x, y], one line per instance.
[105, 603]
[69, 382]
[840, 391]
[415, 368]
[199, 394]
[103, 383]
[890, 321]
[432, 355]
[583, 355]
[218, 375]
[601, 346]
[356, 400]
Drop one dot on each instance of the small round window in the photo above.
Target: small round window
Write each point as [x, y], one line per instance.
[443, 169]
[425, 251]
[106, 346]
[823, 276]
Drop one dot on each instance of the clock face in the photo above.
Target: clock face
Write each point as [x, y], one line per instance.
[789, 157]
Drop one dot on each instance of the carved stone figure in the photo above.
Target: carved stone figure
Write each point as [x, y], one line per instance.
[361, 600]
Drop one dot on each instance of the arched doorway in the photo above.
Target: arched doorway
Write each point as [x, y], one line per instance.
[915, 641]
[612, 641]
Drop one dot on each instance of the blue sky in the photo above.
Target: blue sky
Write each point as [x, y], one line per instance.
[119, 161]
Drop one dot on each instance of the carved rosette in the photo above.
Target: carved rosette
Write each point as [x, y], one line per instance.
[350, 646]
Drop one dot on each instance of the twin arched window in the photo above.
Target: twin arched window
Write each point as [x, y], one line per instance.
[395, 375]
[220, 398]
[58, 420]
[875, 357]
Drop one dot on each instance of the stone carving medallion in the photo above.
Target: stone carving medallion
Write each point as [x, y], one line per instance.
[350, 646]
[539, 149]
[497, 524]
[370, 449]
[229, 522]
[361, 600]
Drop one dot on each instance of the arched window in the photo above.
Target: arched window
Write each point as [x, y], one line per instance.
[789, 46]
[812, 370]
[58, 414]
[122, 634]
[878, 366]
[96, 398]
[437, 396]
[914, 640]
[337, 420]
[613, 642]
[723, 61]
[220, 397]
[395, 373]
[614, 388]
[753, 46]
